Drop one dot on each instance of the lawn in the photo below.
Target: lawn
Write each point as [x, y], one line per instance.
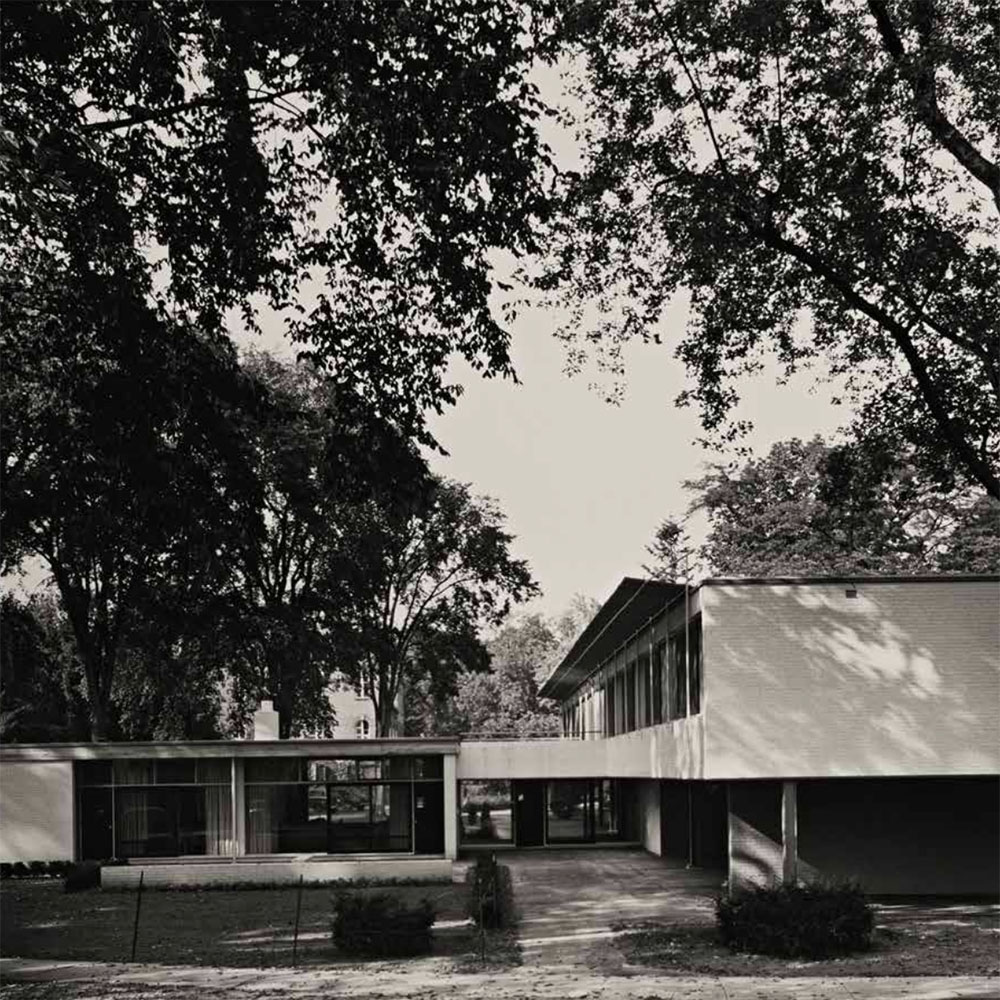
[912, 938]
[228, 927]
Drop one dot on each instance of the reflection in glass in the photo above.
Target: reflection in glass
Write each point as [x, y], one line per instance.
[569, 810]
[486, 812]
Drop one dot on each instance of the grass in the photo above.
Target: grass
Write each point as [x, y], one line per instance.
[251, 927]
[912, 938]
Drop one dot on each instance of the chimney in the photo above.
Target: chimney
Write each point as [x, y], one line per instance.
[265, 722]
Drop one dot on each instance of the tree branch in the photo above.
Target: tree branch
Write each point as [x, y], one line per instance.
[143, 115]
[920, 76]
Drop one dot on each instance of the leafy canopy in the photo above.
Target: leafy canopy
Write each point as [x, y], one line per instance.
[809, 508]
[823, 181]
[348, 164]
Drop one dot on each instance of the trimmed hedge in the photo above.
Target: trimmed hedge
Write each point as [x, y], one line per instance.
[34, 869]
[381, 925]
[796, 921]
[490, 897]
[85, 875]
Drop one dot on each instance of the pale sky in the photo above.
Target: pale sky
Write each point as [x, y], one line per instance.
[584, 483]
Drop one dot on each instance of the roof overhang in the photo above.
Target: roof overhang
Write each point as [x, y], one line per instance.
[631, 606]
[390, 747]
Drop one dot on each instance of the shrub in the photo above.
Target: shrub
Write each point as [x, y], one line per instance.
[19, 870]
[6, 869]
[85, 875]
[796, 921]
[379, 925]
[490, 898]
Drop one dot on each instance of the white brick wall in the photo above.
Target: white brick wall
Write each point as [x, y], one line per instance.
[803, 681]
[36, 811]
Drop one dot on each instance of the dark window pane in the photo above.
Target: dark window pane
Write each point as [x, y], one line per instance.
[630, 697]
[174, 772]
[659, 655]
[569, 811]
[678, 677]
[350, 828]
[400, 768]
[695, 666]
[273, 769]
[135, 772]
[428, 767]
[95, 822]
[645, 687]
[171, 822]
[286, 819]
[428, 811]
[93, 772]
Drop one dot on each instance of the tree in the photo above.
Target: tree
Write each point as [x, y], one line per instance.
[352, 165]
[672, 552]
[40, 675]
[520, 654]
[850, 509]
[421, 574]
[322, 459]
[821, 180]
[122, 466]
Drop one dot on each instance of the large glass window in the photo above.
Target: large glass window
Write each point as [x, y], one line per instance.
[486, 812]
[630, 697]
[678, 676]
[695, 665]
[645, 689]
[345, 806]
[659, 669]
[154, 808]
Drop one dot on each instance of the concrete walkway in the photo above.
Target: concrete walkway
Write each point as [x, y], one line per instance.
[569, 899]
[423, 980]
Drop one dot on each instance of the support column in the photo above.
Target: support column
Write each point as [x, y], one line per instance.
[239, 808]
[789, 832]
[450, 806]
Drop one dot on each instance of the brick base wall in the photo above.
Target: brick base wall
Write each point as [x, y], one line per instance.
[279, 872]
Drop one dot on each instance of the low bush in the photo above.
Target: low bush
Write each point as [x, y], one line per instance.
[796, 921]
[490, 898]
[381, 925]
[85, 875]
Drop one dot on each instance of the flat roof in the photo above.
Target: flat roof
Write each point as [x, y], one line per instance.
[388, 747]
[634, 602]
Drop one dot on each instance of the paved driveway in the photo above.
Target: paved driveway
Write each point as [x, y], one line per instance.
[569, 898]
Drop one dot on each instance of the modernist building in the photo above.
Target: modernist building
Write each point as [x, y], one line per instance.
[768, 729]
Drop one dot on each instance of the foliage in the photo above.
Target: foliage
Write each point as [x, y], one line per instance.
[323, 460]
[671, 551]
[505, 701]
[40, 674]
[422, 574]
[796, 921]
[350, 165]
[381, 925]
[82, 875]
[818, 180]
[35, 869]
[123, 468]
[818, 509]
[490, 894]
